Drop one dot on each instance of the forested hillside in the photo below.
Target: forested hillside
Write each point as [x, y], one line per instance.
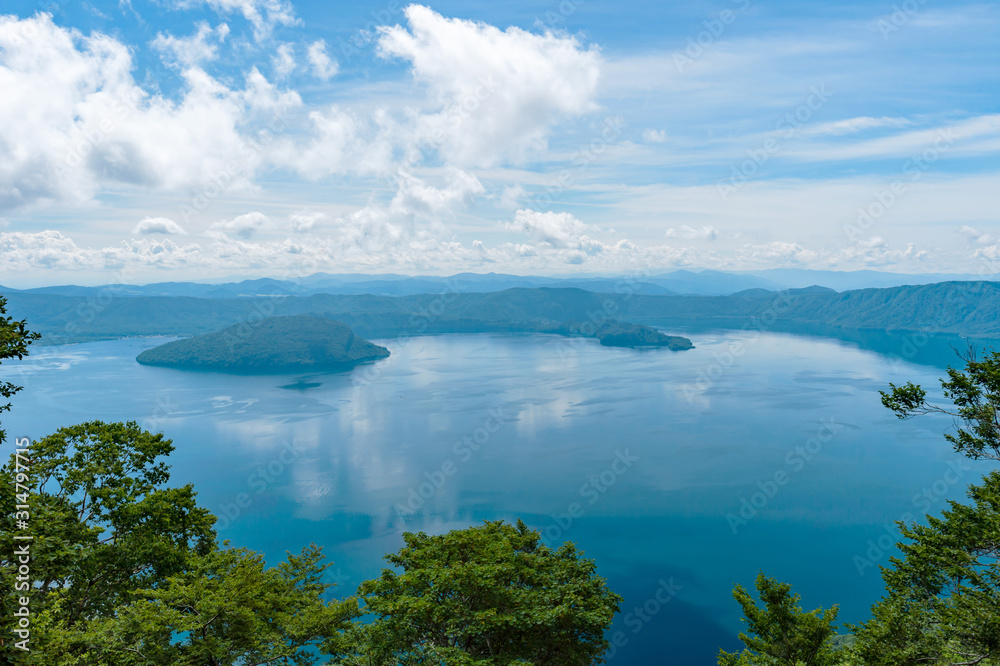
[967, 308]
[275, 344]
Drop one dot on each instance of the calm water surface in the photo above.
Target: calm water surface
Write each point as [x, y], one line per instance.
[352, 460]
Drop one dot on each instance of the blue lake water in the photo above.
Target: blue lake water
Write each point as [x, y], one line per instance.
[679, 473]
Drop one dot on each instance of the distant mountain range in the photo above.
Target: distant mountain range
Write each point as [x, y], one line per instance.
[848, 280]
[965, 308]
[705, 282]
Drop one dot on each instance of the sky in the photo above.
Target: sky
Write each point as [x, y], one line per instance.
[153, 140]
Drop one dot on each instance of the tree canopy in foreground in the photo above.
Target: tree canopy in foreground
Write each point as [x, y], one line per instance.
[492, 594]
[780, 633]
[14, 341]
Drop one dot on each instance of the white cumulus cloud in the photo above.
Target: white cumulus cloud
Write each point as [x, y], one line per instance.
[243, 226]
[976, 236]
[498, 92]
[338, 143]
[416, 196]
[74, 120]
[512, 195]
[323, 66]
[199, 47]
[558, 230]
[51, 250]
[283, 61]
[307, 222]
[158, 225]
[263, 15]
[876, 251]
[411, 223]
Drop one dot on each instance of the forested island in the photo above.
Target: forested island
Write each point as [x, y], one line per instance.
[622, 334]
[305, 342]
[275, 344]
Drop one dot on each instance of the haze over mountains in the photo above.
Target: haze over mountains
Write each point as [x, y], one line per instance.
[703, 282]
[963, 308]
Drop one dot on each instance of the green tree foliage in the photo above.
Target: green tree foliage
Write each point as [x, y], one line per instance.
[103, 523]
[227, 608]
[14, 341]
[942, 603]
[780, 632]
[123, 564]
[975, 397]
[491, 594]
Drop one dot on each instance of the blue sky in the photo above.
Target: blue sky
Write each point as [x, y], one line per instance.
[150, 140]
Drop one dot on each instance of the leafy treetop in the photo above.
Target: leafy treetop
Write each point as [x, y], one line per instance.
[780, 633]
[975, 397]
[492, 594]
[14, 341]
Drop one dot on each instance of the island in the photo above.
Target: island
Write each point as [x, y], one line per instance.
[269, 346]
[621, 334]
[608, 332]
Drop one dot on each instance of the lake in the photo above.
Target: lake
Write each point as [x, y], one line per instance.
[680, 473]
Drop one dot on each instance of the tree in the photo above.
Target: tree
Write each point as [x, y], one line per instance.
[942, 602]
[781, 633]
[14, 341]
[975, 397]
[226, 609]
[491, 594]
[120, 562]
